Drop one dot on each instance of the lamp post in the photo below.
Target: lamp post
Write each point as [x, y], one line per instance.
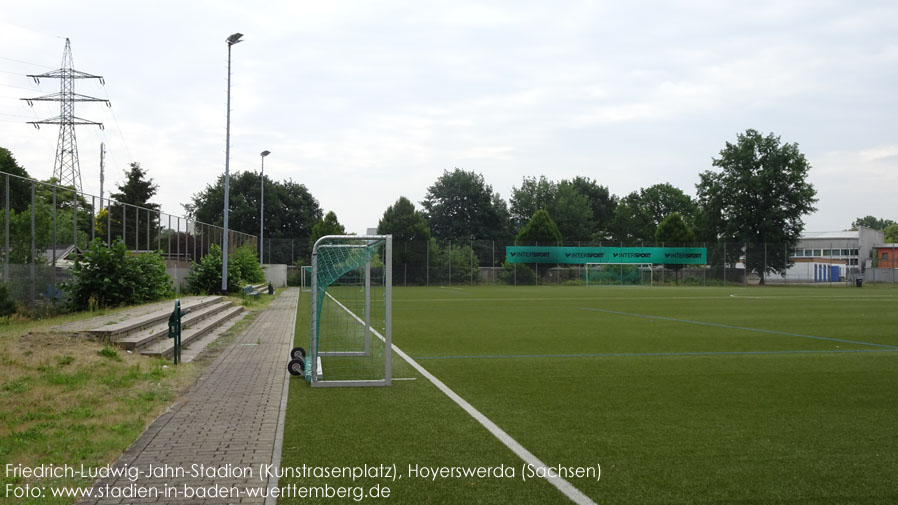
[233, 39]
[262, 213]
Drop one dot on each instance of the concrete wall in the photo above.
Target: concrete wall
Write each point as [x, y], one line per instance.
[276, 275]
[888, 275]
[178, 271]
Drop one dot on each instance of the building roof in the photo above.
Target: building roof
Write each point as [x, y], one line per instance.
[886, 246]
[849, 234]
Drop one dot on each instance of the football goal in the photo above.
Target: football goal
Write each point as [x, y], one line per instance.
[351, 313]
[619, 274]
[305, 275]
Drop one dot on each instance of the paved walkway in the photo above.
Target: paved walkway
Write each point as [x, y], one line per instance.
[210, 447]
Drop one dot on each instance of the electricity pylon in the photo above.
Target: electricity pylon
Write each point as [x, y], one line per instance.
[66, 168]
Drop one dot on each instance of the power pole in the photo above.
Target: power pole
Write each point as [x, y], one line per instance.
[66, 168]
[102, 167]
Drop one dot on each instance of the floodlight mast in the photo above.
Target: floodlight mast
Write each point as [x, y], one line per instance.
[233, 39]
[262, 212]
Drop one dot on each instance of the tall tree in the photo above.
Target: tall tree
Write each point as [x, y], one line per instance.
[572, 213]
[672, 232]
[327, 226]
[891, 233]
[19, 187]
[135, 191]
[533, 195]
[872, 222]
[460, 205]
[290, 210]
[760, 196]
[541, 229]
[638, 214]
[601, 201]
[410, 239]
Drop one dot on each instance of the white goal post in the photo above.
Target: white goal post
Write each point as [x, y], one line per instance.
[619, 274]
[351, 311]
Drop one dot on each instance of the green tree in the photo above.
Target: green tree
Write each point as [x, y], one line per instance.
[540, 230]
[410, 238]
[533, 195]
[638, 214]
[759, 196]
[872, 222]
[19, 187]
[460, 204]
[290, 210]
[891, 234]
[602, 203]
[327, 226]
[135, 191]
[572, 213]
[674, 232]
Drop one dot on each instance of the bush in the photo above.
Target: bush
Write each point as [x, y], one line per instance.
[7, 304]
[517, 274]
[112, 276]
[246, 266]
[243, 268]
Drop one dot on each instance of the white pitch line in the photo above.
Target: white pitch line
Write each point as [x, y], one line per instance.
[562, 485]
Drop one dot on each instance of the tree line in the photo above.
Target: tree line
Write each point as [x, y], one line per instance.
[757, 192]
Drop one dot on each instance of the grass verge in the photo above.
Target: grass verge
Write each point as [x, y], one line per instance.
[67, 400]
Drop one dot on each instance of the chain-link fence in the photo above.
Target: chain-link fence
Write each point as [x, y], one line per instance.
[46, 227]
[469, 262]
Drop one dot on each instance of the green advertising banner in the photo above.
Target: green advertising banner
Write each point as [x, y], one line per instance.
[583, 255]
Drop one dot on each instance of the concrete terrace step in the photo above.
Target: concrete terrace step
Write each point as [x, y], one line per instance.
[111, 332]
[166, 347]
[144, 337]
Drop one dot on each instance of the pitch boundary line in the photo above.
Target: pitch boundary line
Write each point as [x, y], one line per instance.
[731, 327]
[562, 485]
[654, 354]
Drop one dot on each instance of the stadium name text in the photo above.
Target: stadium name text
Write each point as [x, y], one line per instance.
[583, 255]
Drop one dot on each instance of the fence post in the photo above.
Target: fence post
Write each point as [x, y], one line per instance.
[472, 261]
[450, 261]
[108, 225]
[53, 277]
[93, 208]
[124, 220]
[31, 269]
[6, 236]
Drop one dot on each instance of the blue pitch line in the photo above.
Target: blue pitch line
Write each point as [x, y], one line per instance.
[637, 354]
[729, 327]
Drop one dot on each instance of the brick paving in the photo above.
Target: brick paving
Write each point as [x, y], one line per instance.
[227, 422]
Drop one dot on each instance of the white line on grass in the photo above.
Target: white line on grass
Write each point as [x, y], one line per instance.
[562, 485]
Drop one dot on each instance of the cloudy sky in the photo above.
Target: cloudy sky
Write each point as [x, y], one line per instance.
[364, 102]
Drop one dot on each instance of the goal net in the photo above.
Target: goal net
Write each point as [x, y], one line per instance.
[350, 334]
[619, 274]
[305, 275]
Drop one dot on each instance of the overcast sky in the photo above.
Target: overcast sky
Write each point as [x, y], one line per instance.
[364, 102]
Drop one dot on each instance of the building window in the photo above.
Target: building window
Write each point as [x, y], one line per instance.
[854, 252]
[845, 252]
[817, 252]
[885, 256]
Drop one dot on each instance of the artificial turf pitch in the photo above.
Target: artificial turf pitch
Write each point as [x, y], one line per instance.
[680, 395]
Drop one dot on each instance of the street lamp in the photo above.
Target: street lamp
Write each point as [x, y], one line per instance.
[262, 212]
[233, 39]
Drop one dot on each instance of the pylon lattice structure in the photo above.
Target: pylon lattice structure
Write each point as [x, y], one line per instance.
[66, 168]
